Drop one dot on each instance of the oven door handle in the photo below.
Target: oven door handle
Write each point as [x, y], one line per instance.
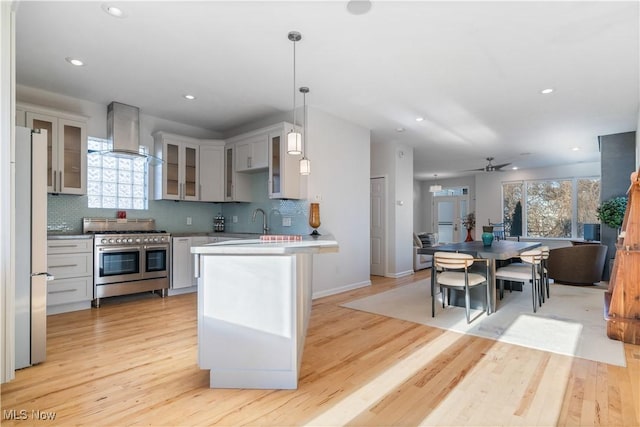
[121, 249]
[161, 247]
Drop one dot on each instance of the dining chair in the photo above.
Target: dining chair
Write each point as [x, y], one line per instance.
[528, 271]
[543, 270]
[498, 230]
[452, 271]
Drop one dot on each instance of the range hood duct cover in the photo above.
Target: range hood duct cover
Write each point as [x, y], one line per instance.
[123, 129]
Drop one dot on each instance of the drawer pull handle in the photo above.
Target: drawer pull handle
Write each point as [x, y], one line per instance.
[63, 246]
[63, 266]
[63, 291]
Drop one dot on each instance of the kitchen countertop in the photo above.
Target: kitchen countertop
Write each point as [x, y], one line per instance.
[258, 247]
[217, 234]
[62, 236]
[56, 235]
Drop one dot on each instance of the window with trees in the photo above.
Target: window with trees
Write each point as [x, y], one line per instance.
[556, 208]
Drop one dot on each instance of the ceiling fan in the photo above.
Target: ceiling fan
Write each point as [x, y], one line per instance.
[490, 167]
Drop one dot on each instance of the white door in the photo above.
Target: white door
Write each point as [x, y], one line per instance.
[448, 214]
[377, 226]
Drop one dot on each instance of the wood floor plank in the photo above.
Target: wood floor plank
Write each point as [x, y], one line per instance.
[134, 362]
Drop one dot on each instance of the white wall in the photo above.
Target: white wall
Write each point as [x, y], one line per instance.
[7, 68]
[395, 162]
[339, 152]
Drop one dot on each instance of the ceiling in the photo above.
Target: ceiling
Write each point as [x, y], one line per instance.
[472, 70]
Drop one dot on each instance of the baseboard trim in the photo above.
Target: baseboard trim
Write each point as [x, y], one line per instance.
[341, 289]
[399, 275]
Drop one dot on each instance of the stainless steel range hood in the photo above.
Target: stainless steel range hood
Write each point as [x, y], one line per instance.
[123, 129]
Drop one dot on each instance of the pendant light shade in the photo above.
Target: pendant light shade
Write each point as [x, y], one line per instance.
[294, 142]
[294, 139]
[305, 164]
[435, 187]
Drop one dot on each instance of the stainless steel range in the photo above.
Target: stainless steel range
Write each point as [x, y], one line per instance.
[130, 256]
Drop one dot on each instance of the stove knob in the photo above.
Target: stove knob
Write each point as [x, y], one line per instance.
[129, 240]
[138, 240]
[155, 239]
[103, 241]
[118, 241]
[110, 240]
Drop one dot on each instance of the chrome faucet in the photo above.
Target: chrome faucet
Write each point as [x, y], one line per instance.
[265, 229]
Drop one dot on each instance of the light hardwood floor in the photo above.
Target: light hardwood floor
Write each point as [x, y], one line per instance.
[134, 363]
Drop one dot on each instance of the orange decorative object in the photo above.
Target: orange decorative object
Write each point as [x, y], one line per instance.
[314, 217]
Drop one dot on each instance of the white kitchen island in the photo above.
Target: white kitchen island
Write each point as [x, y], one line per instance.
[254, 301]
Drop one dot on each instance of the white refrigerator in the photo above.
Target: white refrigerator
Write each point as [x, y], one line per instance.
[30, 256]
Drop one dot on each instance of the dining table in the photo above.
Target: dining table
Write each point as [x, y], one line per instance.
[499, 250]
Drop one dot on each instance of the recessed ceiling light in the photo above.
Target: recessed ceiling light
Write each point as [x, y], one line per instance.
[189, 97]
[546, 91]
[74, 61]
[113, 10]
[419, 119]
[399, 129]
[575, 149]
[515, 168]
[358, 7]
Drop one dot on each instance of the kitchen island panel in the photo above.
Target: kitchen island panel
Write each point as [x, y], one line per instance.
[253, 311]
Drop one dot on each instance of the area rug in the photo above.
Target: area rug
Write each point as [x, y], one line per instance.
[570, 322]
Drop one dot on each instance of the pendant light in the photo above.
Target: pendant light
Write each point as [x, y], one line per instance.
[305, 164]
[294, 143]
[435, 187]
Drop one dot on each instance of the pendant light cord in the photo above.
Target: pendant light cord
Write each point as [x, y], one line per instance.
[294, 86]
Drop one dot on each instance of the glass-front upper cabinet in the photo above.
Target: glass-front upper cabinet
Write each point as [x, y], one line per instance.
[237, 186]
[66, 152]
[284, 168]
[177, 175]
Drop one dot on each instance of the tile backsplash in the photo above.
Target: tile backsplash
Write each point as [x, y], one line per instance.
[65, 213]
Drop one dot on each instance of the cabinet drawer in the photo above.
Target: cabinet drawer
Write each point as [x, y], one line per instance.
[72, 265]
[71, 246]
[69, 290]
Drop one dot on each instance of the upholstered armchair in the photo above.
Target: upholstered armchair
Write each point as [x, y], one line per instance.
[420, 261]
[580, 264]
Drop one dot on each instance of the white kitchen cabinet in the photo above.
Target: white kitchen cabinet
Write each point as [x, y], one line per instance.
[70, 261]
[177, 177]
[284, 168]
[66, 149]
[182, 273]
[212, 171]
[237, 185]
[182, 266]
[252, 153]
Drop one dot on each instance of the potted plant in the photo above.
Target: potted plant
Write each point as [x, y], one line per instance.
[611, 212]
